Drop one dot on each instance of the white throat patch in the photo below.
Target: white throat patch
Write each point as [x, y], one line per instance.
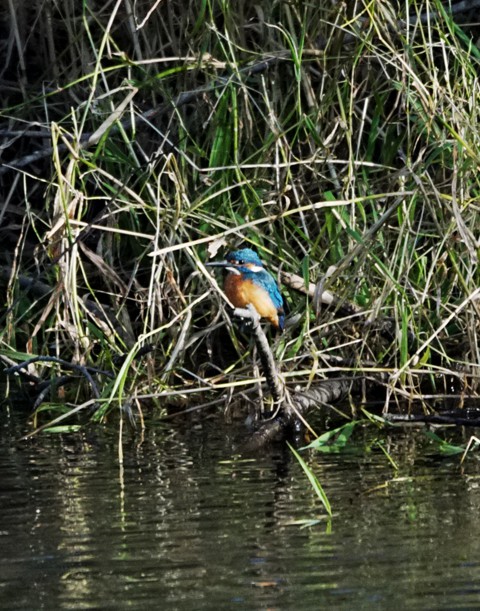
[234, 270]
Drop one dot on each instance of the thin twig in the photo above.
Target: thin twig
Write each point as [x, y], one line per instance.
[85, 371]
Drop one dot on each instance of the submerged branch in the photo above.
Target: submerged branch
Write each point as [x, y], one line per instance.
[325, 392]
[458, 417]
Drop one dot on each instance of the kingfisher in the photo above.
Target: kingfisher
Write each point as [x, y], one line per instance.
[248, 282]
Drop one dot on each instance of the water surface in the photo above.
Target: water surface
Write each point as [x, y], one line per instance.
[187, 524]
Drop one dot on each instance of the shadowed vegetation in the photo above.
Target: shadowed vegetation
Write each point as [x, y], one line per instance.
[140, 140]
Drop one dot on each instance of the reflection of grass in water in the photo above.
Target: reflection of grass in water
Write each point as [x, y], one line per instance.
[353, 114]
[340, 440]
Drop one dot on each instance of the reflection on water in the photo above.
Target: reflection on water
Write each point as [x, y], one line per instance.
[187, 525]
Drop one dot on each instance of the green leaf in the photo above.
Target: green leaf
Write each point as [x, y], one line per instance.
[340, 437]
[313, 481]
[443, 446]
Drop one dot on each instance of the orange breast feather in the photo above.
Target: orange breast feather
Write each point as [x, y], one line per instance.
[242, 292]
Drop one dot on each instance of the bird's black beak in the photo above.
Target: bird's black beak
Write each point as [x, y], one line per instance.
[218, 264]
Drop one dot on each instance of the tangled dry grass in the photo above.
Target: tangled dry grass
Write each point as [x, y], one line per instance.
[141, 139]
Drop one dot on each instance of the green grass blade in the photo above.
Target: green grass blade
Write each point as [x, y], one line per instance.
[312, 478]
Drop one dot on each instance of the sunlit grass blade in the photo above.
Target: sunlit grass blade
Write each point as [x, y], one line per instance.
[71, 428]
[380, 444]
[472, 445]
